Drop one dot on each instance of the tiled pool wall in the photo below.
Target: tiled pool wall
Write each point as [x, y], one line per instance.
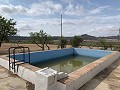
[75, 79]
[41, 56]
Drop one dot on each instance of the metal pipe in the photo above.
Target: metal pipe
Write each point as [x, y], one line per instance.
[29, 54]
[119, 40]
[14, 59]
[23, 54]
[9, 59]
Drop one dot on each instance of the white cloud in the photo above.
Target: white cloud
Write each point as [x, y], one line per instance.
[46, 8]
[26, 27]
[92, 25]
[11, 9]
[98, 9]
[74, 10]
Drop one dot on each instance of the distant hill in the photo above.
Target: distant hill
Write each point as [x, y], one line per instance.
[110, 37]
[19, 38]
[84, 36]
[88, 37]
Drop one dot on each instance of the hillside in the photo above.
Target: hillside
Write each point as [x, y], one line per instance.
[84, 36]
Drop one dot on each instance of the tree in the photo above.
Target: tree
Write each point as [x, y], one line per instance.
[63, 42]
[76, 40]
[104, 44]
[6, 29]
[41, 39]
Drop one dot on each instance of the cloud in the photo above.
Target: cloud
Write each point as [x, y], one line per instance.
[74, 10]
[69, 22]
[98, 10]
[36, 9]
[26, 27]
[93, 25]
[91, 22]
[47, 8]
[11, 9]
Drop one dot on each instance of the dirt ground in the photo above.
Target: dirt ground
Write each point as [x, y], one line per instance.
[33, 47]
[10, 81]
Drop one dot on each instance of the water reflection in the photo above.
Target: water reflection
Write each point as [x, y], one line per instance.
[66, 64]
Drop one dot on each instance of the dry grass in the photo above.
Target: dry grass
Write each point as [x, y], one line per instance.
[33, 47]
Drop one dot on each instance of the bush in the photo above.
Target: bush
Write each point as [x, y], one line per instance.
[76, 41]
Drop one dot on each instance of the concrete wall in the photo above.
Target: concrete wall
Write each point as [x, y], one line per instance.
[23, 72]
[91, 52]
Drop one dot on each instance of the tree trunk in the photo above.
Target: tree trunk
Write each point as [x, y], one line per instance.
[48, 46]
[38, 44]
[0, 43]
[43, 47]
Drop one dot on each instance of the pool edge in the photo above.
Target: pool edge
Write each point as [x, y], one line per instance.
[81, 76]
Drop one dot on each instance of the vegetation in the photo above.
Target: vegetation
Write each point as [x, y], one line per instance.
[76, 41]
[63, 42]
[41, 39]
[104, 44]
[6, 29]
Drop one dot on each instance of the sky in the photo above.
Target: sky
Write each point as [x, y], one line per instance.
[93, 17]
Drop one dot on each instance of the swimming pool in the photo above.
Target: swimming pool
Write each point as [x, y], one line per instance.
[80, 64]
[65, 60]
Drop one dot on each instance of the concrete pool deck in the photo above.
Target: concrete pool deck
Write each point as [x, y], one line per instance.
[10, 81]
[108, 79]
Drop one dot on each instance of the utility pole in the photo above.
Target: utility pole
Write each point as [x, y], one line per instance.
[61, 31]
[119, 40]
